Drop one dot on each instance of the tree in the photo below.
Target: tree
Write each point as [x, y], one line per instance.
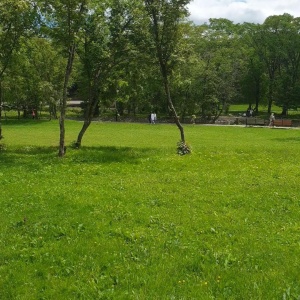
[266, 40]
[16, 18]
[216, 67]
[164, 24]
[64, 20]
[287, 85]
[104, 52]
[34, 77]
[253, 82]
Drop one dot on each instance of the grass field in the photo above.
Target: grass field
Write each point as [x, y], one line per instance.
[125, 217]
[236, 109]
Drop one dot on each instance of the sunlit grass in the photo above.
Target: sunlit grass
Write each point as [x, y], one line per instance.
[125, 217]
[263, 110]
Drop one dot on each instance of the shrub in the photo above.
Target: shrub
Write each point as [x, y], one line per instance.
[183, 148]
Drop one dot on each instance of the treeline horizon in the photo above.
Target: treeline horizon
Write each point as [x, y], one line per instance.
[106, 55]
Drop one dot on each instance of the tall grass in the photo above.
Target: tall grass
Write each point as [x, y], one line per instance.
[125, 217]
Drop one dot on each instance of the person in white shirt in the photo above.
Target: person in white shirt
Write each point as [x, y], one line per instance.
[272, 118]
[153, 118]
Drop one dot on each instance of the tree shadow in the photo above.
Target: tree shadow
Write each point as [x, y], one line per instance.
[25, 154]
[23, 122]
[37, 155]
[109, 154]
[287, 140]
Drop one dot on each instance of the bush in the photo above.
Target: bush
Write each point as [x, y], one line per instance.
[183, 148]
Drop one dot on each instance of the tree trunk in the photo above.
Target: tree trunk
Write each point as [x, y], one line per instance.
[257, 96]
[1, 110]
[62, 148]
[270, 98]
[216, 117]
[163, 65]
[71, 54]
[52, 111]
[87, 119]
[85, 126]
[271, 72]
[284, 111]
[170, 103]
[173, 111]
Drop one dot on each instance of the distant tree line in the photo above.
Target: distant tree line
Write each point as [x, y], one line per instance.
[142, 55]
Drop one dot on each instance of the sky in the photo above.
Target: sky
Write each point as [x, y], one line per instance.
[240, 11]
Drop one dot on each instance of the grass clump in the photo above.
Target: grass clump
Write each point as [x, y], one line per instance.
[124, 217]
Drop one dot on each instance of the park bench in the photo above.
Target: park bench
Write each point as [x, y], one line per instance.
[283, 122]
[255, 121]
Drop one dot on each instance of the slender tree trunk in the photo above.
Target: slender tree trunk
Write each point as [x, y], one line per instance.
[1, 110]
[87, 120]
[71, 54]
[257, 96]
[272, 73]
[84, 128]
[216, 117]
[173, 110]
[50, 112]
[270, 97]
[163, 64]
[62, 148]
[164, 72]
[170, 102]
[284, 111]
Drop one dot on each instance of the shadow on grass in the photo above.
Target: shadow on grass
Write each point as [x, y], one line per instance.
[289, 139]
[109, 154]
[23, 122]
[25, 155]
[33, 155]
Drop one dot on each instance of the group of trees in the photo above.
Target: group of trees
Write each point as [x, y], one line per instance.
[142, 55]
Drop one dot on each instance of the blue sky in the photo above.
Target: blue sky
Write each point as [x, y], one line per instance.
[240, 11]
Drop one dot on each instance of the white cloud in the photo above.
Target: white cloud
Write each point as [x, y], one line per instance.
[240, 11]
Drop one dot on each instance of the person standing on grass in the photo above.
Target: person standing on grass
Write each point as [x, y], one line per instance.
[272, 118]
[33, 114]
[153, 118]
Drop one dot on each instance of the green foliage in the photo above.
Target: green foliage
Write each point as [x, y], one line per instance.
[35, 76]
[276, 42]
[164, 19]
[17, 17]
[207, 67]
[126, 218]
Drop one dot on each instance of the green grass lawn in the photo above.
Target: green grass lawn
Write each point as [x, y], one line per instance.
[125, 217]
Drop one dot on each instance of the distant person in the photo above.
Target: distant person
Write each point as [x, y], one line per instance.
[193, 119]
[153, 118]
[272, 119]
[33, 114]
[248, 112]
